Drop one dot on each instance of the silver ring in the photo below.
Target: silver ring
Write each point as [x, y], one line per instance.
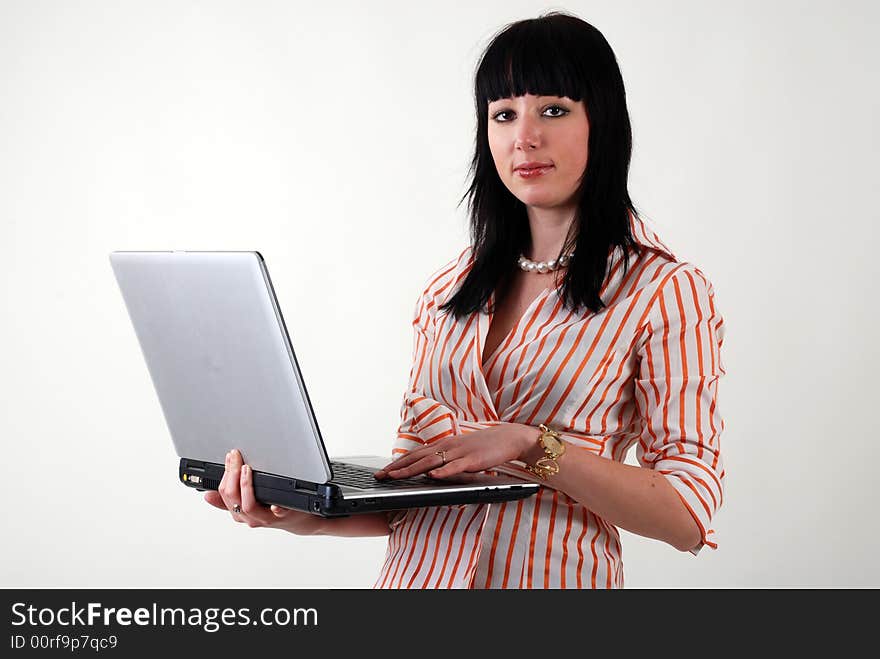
[236, 508]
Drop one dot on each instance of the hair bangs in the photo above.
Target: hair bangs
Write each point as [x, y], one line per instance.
[529, 58]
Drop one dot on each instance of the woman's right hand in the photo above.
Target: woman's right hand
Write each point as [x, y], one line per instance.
[236, 496]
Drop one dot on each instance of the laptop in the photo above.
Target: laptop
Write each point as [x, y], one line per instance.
[221, 360]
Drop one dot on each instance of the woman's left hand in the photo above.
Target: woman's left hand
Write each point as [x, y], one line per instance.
[469, 452]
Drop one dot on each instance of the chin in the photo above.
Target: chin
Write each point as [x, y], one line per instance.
[537, 198]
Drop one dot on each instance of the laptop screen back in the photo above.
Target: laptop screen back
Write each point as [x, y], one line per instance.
[219, 357]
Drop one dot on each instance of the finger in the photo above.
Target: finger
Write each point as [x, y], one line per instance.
[232, 493]
[223, 487]
[279, 512]
[453, 467]
[414, 456]
[252, 509]
[444, 464]
[404, 460]
[213, 497]
[384, 471]
[421, 466]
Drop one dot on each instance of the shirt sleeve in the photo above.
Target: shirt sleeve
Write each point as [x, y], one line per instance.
[676, 393]
[423, 419]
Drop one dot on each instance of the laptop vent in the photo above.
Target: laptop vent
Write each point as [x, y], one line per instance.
[211, 483]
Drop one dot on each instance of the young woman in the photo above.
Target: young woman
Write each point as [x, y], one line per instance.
[563, 335]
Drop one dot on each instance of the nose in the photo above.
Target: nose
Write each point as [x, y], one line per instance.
[527, 134]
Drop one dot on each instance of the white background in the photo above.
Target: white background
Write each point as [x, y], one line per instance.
[335, 139]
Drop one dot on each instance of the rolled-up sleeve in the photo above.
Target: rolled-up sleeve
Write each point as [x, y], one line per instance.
[676, 394]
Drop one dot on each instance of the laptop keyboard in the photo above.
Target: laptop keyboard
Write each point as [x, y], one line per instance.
[362, 478]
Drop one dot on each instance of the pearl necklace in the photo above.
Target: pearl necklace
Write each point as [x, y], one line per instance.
[544, 266]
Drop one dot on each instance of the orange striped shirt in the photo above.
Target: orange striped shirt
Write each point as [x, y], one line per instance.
[643, 372]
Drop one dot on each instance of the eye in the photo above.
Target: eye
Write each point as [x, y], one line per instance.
[561, 109]
[562, 112]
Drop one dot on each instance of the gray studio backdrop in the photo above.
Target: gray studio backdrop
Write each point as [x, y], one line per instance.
[335, 138]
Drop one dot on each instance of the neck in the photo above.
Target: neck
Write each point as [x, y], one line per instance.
[549, 228]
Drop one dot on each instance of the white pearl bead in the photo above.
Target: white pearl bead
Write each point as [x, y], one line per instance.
[528, 265]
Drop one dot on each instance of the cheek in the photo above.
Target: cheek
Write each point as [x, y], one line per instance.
[577, 155]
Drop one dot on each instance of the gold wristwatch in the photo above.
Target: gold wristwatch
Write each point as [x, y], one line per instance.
[553, 447]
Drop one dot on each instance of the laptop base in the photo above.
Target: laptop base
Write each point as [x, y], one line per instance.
[327, 499]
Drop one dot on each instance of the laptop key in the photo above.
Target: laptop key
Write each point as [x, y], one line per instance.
[362, 478]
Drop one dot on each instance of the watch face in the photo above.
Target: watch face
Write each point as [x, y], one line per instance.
[550, 442]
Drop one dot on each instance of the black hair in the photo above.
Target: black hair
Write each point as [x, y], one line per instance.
[560, 55]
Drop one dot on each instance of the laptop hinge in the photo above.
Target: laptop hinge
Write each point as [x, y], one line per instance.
[329, 491]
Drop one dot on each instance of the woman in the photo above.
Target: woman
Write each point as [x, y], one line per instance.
[566, 333]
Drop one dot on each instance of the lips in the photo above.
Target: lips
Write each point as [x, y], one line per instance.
[532, 165]
[533, 173]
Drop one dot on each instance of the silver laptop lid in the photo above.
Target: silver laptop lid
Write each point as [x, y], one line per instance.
[217, 351]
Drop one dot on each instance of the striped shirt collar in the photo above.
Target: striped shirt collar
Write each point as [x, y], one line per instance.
[645, 235]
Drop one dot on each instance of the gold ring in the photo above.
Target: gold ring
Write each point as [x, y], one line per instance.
[442, 455]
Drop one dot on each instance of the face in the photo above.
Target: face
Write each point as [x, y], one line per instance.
[552, 130]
